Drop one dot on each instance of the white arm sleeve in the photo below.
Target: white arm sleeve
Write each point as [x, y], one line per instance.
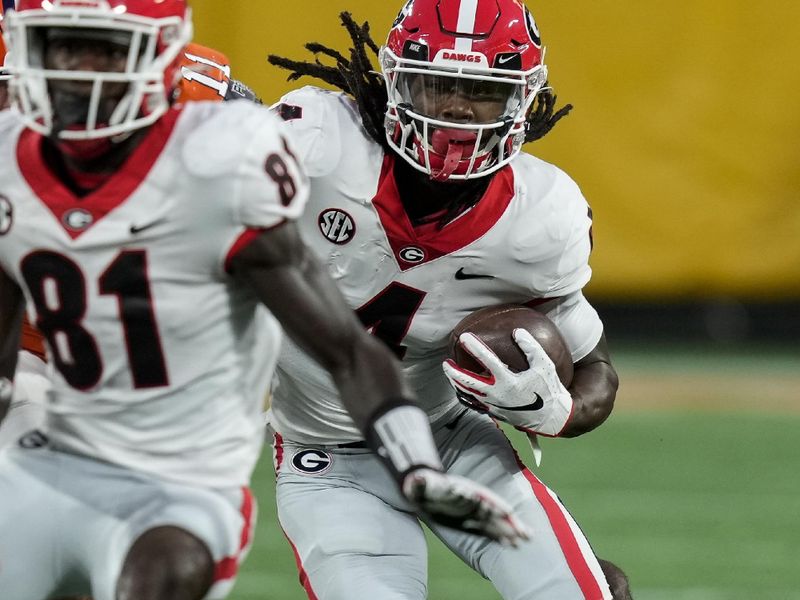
[578, 322]
[572, 270]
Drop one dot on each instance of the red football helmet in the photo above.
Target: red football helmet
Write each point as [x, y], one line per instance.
[488, 55]
[152, 32]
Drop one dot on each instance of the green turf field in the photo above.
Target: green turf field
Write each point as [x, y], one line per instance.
[695, 502]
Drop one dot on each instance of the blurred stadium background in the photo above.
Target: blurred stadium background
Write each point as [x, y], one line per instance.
[684, 140]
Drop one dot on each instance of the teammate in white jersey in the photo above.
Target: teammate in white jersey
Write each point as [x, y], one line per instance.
[143, 238]
[424, 210]
[206, 75]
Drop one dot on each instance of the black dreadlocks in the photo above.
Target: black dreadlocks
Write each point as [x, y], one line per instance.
[358, 78]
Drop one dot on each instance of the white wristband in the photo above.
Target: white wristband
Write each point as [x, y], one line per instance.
[406, 439]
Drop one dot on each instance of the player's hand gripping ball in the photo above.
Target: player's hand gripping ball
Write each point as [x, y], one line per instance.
[511, 362]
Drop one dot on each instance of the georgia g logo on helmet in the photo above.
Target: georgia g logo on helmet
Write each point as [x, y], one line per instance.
[533, 29]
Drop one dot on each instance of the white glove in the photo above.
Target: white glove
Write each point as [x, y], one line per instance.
[533, 400]
[457, 502]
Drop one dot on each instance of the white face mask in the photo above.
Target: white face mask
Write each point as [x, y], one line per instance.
[457, 122]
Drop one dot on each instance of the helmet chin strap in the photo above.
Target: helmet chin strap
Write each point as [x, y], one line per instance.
[455, 145]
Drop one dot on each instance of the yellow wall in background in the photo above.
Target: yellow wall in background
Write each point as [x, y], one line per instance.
[685, 136]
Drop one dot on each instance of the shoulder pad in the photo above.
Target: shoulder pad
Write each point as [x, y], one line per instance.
[550, 195]
[220, 135]
[316, 118]
[554, 230]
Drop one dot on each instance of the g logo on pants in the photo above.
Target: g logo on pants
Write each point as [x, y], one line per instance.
[311, 462]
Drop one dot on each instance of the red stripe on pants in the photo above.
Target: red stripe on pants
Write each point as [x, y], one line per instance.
[229, 566]
[566, 538]
[303, 575]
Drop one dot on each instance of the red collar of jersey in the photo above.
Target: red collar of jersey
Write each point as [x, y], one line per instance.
[78, 214]
[413, 246]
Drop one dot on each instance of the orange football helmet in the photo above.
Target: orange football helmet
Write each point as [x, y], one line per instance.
[206, 75]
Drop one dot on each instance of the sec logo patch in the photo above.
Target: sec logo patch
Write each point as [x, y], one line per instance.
[311, 462]
[337, 226]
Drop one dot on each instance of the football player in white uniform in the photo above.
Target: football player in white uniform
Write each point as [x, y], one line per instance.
[143, 239]
[205, 75]
[424, 210]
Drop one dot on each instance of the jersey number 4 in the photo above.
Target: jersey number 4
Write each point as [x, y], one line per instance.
[388, 315]
[58, 288]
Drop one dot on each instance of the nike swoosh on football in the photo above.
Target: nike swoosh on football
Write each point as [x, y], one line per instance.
[504, 59]
[461, 275]
[537, 405]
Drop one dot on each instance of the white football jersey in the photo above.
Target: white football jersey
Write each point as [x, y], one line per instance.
[161, 360]
[527, 241]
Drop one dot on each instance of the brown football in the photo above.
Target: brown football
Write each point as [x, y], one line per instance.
[494, 326]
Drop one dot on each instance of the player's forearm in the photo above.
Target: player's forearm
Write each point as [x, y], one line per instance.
[371, 387]
[11, 307]
[594, 388]
[312, 311]
[367, 379]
